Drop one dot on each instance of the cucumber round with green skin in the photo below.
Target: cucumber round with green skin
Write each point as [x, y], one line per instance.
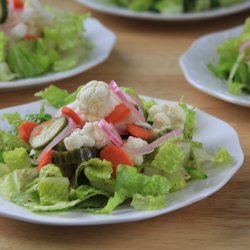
[75, 156]
[44, 133]
[3, 11]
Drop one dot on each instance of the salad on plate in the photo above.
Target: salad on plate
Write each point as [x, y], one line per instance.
[105, 147]
[234, 62]
[36, 39]
[171, 6]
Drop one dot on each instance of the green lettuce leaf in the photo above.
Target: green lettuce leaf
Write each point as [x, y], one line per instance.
[99, 173]
[169, 158]
[178, 179]
[25, 198]
[196, 173]
[4, 169]
[16, 181]
[5, 73]
[169, 6]
[14, 119]
[189, 127]
[17, 158]
[201, 158]
[53, 190]
[129, 182]
[39, 117]
[50, 170]
[54, 96]
[3, 44]
[82, 197]
[9, 141]
[148, 202]
[66, 35]
[25, 61]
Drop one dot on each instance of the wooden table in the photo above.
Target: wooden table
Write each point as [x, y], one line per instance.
[146, 58]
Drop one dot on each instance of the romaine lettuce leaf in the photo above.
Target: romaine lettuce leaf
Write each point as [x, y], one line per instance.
[17, 158]
[14, 119]
[129, 182]
[5, 73]
[16, 181]
[201, 158]
[169, 158]
[99, 173]
[39, 117]
[50, 170]
[80, 198]
[9, 141]
[189, 127]
[54, 96]
[53, 190]
[169, 6]
[3, 44]
[148, 202]
[25, 61]
[4, 169]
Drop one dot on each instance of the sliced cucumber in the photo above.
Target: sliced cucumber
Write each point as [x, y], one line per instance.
[44, 133]
[3, 11]
[75, 156]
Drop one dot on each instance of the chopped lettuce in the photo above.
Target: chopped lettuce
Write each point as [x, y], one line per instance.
[14, 119]
[16, 181]
[169, 158]
[53, 190]
[25, 61]
[4, 169]
[233, 64]
[3, 44]
[196, 173]
[80, 197]
[61, 46]
[39, 117]
[148, 202]
[9, 141]
[201, 158]
[54, 95]
[172, 6]
[5, 73]
[129, 182]
[50, 170]
[189, 126]
[99, 173]
[17, 158]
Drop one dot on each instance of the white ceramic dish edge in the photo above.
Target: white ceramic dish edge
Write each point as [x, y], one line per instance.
[194, 67]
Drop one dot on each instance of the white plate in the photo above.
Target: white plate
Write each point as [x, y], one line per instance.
[104, 41]
[194, 66]
[116, 10]
[210, 130]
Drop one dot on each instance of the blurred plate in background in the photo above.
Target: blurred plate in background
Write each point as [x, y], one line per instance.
[103, 40]
[116, 10]
[194, 66]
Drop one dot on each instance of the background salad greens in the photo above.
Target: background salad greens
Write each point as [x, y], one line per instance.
[172, 6]
[61, 47]
[233, 65]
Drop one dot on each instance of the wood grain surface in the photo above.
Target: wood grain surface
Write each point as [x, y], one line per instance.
[146, 57]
